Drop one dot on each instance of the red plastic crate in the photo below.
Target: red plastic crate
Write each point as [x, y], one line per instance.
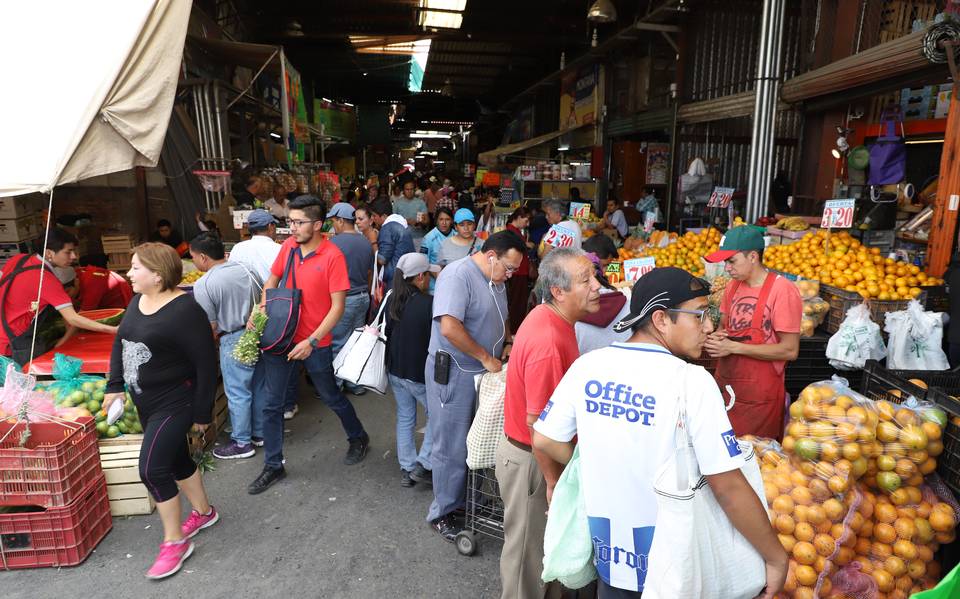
[60, 536]
[58, 463]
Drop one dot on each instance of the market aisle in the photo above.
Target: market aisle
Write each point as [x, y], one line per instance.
[295, 540]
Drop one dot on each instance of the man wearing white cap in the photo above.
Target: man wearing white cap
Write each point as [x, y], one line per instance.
[359, 255]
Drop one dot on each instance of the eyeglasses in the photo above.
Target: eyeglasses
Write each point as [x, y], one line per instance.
[700, 313]
[296, 224]
[510, 269]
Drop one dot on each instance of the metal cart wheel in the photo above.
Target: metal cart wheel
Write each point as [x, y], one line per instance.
[466, 542]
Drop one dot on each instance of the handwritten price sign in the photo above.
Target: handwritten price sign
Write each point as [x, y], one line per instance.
[720, 198]
[838, 214]
[579, 210]
[559, 237]
[635, 268]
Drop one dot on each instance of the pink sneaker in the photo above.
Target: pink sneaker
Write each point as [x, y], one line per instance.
[197, 522]
[171, 557]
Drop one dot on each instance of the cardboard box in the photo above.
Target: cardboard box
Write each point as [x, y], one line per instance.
[21, 229]
[20, 206]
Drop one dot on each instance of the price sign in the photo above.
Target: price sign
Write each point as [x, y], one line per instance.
[720, 198]
[579, 210]
[614, 272]
[559, 237]
[838, 214]
[649, 219]
[240, 218]
[635, 268]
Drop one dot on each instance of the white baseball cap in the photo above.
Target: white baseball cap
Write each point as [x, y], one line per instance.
[415, 263]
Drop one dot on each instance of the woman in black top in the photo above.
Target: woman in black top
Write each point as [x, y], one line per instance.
[409, 317]
[165, 356]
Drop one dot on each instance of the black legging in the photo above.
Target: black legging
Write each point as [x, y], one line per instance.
[165, 455]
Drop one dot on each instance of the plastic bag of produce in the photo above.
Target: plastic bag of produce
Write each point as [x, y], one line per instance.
[20, 401]
[916, 339]
[815, 310]
[850, 581]
[72, 388]
[909, 436]
[857, 341]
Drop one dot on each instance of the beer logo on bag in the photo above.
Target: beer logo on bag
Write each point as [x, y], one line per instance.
[730, 440]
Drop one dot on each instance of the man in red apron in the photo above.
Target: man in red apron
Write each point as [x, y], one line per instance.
[759, 333]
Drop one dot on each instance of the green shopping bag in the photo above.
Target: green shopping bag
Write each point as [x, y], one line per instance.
[567, 546]
[949, 587]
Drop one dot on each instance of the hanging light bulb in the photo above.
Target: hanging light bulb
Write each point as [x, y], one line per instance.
[602, 11]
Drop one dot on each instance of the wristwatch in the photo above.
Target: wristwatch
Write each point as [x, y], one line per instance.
[314, 342]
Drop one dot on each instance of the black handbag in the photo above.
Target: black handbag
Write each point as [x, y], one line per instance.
[283, 313]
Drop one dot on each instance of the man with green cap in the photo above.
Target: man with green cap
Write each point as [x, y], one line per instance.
[759, 333]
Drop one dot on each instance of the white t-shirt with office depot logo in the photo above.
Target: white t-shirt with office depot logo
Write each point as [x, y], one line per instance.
[621, 403]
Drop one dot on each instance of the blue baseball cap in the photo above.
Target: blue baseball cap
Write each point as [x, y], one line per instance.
[341, 210]
[464, 214]
[260, 219]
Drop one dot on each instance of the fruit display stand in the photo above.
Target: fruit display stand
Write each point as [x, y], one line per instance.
[841, 300]
[120, 459]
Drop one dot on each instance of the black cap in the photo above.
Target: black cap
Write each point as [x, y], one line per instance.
[661, 289]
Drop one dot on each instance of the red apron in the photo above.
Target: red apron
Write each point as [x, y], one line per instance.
[758, 387]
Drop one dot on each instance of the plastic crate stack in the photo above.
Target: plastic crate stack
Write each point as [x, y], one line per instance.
[812, 365]
[54, 508]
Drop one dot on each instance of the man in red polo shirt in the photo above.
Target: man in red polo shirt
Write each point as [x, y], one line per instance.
[544, 348]
[321, 275]
[19, 286]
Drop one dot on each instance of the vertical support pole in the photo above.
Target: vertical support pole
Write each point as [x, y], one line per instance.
[944, 226]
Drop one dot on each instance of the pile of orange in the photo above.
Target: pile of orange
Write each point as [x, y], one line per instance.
[826, 503]
[687, 251]
[849, 265]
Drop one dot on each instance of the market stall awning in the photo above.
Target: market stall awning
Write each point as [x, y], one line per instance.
[95, 89]
[490, 157]
[253, 56]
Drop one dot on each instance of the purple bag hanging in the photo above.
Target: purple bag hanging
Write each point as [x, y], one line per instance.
[888, 156]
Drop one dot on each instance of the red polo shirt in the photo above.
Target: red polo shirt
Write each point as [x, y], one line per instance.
[543, 349]
[23, 291]
[319, 274]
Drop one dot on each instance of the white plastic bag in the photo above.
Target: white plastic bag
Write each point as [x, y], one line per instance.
[916, 339]
[363, 359]
[487, 427]
[567, 544]
[696, 551]
[857, 341]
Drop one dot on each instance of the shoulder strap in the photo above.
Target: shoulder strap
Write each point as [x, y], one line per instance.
[756, 326]
[7, 282]
[290, 271]
[378, 321]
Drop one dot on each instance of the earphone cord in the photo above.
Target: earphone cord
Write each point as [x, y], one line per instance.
[503, 334]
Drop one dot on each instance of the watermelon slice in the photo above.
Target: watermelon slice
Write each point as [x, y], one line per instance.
[108, 316]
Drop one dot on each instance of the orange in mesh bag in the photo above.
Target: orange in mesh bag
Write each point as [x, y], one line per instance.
[910, 439]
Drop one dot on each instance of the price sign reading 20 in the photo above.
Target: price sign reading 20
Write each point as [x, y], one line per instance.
[838, 214]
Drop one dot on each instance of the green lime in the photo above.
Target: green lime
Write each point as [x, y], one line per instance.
[88, 387]
[122, 426]
[102, 428]
[128, 404]
[97, 395]
[137, 428]
[101, 383]
[113, 431]
[66, 403]
[100, 416]
[93, 405]
[76, 397]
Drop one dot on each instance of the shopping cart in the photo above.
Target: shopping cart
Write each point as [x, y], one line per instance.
[484, 510]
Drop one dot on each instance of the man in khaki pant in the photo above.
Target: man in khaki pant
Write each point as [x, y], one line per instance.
[544, 347]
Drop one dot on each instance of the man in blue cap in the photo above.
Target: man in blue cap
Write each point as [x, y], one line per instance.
[359, 255]
[258, 252]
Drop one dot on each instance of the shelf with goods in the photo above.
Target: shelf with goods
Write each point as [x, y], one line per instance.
[545, 189]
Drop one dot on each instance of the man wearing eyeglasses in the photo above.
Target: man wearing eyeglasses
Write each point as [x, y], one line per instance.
[320, 272]
[759, 333]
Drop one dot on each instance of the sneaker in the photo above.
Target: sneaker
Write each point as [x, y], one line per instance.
[421, 475]
[256, 441]
[197, 522]
[358, 450]
[234, 451]
[170, 559]
[289, 414]
[405, 480]
[266, 480]
[446, 527]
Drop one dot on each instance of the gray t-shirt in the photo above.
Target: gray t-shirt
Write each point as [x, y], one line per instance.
[227, 294]
[451, 252]
[359, 256]
[463, 292]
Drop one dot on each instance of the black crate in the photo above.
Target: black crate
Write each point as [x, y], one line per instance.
[942, 387]
[937, 299]
[812, 366]
[841, 300]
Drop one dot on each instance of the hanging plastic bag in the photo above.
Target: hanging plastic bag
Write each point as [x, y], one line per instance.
[567, 545]
[857, 341]
[72, 388]
[916, 337]
[4, 363]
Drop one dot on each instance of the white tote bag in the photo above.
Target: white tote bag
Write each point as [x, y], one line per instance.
[487, 427]
[696, 552]
[363, 358]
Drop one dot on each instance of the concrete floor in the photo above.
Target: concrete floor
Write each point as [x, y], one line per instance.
[327, 530]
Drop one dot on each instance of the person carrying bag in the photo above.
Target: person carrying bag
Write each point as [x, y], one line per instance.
[362, 361]
[283, 312]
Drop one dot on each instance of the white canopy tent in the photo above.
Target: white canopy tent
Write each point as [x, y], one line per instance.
[88, 87]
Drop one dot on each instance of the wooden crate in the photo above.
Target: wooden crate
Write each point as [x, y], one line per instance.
[119, 262]
[117, 243]
[120, 458]
[220, 415]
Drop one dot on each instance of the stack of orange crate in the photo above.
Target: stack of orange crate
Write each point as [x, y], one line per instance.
[54, 508]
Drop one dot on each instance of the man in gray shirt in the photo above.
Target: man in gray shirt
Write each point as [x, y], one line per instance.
[469, 332]
[359, 256]
[227, 293]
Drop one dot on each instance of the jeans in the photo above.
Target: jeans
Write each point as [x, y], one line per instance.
[245, 406]
[408, 394]
[354, 316]
[319, 365]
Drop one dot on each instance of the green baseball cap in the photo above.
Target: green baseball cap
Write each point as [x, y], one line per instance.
[744, 238]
